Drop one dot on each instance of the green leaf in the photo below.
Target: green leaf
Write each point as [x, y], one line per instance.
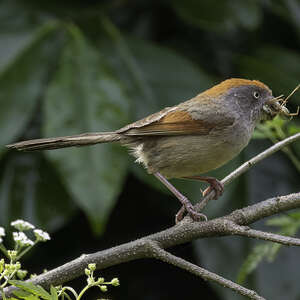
[293, 129]
[252, 261]
[25, 295]
[16, 34]
[23, 82]
[168, 86]
[12, 44]
[84, 96]
[258, 134]
[53, 292]
[29, 287]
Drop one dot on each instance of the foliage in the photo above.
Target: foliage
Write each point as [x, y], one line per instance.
[30, 291]
[277, 130]
[22, 244]
[11, 270]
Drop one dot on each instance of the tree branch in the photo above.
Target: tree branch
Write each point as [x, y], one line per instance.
[183, 232]
[267, 236]
[163, 255]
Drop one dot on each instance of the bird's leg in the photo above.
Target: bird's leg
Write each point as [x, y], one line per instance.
[180, 214]
[214, 184]
[188, 207]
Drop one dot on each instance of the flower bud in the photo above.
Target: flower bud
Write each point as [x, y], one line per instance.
[92, 267]
[22, 274]
[115, 282]
[103, 288]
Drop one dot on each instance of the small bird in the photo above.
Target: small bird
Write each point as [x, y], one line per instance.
[188, 139]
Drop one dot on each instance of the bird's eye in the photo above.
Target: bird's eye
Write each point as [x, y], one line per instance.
[256, 94]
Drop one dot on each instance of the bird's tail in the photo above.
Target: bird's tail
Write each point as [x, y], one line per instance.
[66, 141]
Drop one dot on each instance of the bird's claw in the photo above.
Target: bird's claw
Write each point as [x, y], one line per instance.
[190, 210]
[217, 186]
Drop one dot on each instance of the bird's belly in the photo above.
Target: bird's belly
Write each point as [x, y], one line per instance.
[179, 156]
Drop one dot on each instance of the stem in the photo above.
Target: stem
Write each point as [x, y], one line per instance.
[3, 294]
[7, 279]
[71, 290]
[3, 249]
[25, 251]
[66, 295]
[83, 291]
[292, 157]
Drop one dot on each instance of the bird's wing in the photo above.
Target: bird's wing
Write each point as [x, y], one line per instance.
[172, 121]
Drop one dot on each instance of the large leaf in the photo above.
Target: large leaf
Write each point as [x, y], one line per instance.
[12, 44]
[23, 190]
[23, 82]
[16, 33]
[36, 290]
[170, 77]
[86, 96]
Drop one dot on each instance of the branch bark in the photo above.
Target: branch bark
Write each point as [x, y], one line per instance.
[185, 231]
[153, 245]
[158, 253]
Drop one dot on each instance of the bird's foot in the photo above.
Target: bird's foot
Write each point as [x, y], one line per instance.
[214, 184]
[190, 210]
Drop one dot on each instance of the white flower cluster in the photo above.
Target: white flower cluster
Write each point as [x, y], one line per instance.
[22, 225]
[2, 234]
[21, 239]
[41, 235]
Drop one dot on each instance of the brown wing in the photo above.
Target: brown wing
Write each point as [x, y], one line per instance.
[171, 122]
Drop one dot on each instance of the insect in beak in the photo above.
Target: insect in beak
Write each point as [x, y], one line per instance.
[277, 105]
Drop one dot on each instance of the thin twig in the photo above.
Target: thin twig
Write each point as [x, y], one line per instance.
[235, 229]
[163, 255]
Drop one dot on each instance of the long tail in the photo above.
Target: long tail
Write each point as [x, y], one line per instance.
[66, 141]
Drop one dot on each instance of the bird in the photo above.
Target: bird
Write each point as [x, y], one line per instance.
[189, 139]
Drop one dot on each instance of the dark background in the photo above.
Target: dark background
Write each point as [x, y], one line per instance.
[78, 66]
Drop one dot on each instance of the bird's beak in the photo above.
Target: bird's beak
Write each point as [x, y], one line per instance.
[273, 107]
